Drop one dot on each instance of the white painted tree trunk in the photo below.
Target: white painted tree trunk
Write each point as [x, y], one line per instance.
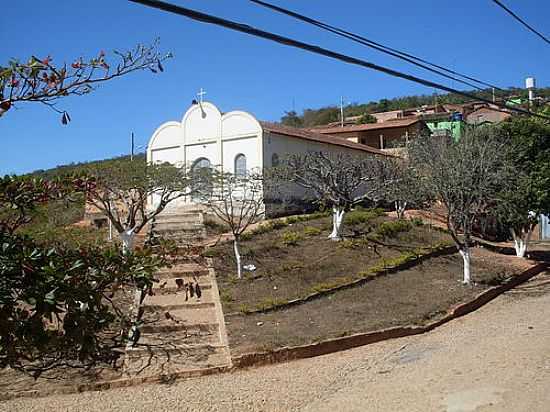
[521, 241]
[337, 223]
[466, 257]
[127, 238]
[400, 207]
[237, 258]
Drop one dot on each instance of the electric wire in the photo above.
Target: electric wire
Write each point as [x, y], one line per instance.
[244, 28]
[519, 19]
[417, 61]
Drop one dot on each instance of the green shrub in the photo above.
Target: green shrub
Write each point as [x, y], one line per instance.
[391, 229]
[210, 252]
[290, 238]
[269, 303]
[278, 224]
[261, 229]
[244, 308]
[226, 297]
[353, 243]
[246, 236]
[417, 221]
[393, 262]
[362, 216]
[216, 226]
[312, 231]
[292, 219]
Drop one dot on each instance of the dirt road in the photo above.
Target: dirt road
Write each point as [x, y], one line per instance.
[496, 359]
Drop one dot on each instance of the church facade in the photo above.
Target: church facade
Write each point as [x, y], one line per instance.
[236, 142]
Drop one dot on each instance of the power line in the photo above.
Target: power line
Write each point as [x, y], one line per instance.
[515, 16]
[244, 28]
[417, 61]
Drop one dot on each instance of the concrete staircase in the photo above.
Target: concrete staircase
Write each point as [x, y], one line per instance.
[182, 225]
[181, 337]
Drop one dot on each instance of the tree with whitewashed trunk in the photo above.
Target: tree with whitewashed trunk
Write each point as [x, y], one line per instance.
[122, 190]
[336, 180]
[466, 177]
[528, 195]
[237, 201]
[406, 188]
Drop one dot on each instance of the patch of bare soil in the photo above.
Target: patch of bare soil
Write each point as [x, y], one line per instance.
[294, 261]
[413, 296]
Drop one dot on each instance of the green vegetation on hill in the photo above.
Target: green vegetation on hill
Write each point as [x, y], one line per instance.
[324, 115]
[51, 221]
[78, 168]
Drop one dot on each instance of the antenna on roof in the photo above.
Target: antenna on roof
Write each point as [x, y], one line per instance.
[342, 111]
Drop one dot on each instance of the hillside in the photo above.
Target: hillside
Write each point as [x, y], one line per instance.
[77, 168]
[325, 115]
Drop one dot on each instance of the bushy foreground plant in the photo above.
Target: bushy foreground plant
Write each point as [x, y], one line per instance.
[58, 305]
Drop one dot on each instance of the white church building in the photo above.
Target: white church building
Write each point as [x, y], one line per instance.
[236, 142]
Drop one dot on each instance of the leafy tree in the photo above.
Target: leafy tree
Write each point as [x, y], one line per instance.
[41, 80]
[237, 201]
[528, 195]
[58, 306]
[292, 119]
[121, 190]
[466, 177]
[336, 180]
[366, 118]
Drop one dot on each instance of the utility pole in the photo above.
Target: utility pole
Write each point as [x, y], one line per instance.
[494, 98]
[132, 151]
[342, 111]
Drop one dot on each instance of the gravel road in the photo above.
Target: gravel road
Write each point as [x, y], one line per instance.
[496, 359]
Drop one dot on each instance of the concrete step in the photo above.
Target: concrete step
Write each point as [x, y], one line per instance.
[184, 270]
[182, 236]
[170, 231]
[194, 349]
[180, 316]
[148, 361]
[179, 217]
[162, 227]
[167, 326]
[169, 286]
[190, 305]
[177, 214]
[177, 298]
[179, 338]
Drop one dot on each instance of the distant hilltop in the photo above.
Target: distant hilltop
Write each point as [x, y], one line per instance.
[329, 114]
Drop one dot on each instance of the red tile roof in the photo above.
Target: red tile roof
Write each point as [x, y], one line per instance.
[306, 134]
[388, 124]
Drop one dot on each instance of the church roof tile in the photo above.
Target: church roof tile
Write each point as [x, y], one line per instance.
[318, 137]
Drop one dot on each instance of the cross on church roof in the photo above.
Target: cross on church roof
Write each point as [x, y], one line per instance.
[201, 94]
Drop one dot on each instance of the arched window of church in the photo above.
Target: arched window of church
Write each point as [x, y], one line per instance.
[201, 171]
[201, 163]
[240, 165]
[274, 160]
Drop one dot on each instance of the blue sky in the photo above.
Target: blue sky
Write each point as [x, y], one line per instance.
[242, 72]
